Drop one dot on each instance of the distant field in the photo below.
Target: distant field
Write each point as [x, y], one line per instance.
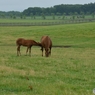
[48, 21]
[40, 19]
[68, 71]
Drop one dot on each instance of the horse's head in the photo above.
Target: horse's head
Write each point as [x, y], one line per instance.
[47, 52]
[39, 44]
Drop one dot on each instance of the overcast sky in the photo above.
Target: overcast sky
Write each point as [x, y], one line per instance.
[20, 5]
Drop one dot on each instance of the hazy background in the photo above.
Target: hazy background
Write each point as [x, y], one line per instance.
[20, 5]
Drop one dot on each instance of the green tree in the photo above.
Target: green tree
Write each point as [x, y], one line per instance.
[43, 16]
[31, 15]
[11, 16]
[58, 14]
[21, 16]
[34, 17]
[53, 16]
[93, 14]
[3, 15]
[24, 17]
[63, 15]
[73, 17]
[14, 17]
[82, 14]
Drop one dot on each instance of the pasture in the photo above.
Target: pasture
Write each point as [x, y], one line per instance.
[68, 71]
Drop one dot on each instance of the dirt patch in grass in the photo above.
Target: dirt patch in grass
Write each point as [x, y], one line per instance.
[62, 46]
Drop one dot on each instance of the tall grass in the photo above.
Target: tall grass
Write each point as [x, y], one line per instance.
[68, 71]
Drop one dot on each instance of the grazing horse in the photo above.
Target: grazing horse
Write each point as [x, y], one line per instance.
[46, 44]
[28, 43]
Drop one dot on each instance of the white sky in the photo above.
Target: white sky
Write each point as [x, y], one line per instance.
[20, 5]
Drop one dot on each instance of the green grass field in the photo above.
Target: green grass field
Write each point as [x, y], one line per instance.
[68, 71]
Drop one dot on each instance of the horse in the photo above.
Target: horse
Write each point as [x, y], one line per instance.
[27, 43]
[46, 44]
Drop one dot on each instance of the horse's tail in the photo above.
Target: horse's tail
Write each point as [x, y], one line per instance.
[17, 42]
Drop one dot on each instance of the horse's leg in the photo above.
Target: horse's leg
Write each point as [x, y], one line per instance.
[18, 51]
[42, 51]
[27, 50]
[30, 51]
[50, 51]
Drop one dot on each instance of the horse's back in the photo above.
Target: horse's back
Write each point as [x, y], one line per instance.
[19, 41]
[46, 41]
[27, 42]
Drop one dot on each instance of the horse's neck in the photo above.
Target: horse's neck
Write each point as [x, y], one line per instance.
[36, 43]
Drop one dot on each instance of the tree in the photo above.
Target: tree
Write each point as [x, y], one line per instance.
[3, 15]
[24, 17]
[21, 16]
[75, 13]
[43, 16]
[34, 17]
[58, 14]
[11, 16]
[31, 15]
[82, 14]
[73, 17]
[93, 14]
[53, 15]
[57, 9]
[14, 17]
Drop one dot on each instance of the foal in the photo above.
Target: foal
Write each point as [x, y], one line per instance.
[28, 43]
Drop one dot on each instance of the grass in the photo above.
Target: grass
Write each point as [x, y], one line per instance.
[68, 71]
[27, 20]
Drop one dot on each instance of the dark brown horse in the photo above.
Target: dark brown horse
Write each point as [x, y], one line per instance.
[46, 44]
[28, 43]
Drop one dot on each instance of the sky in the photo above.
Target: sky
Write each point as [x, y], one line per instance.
[21, 5]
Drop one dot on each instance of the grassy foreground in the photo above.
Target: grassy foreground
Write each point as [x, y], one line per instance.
[68, 71]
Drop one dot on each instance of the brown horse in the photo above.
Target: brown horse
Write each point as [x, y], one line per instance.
[46, 44]
[28, 43]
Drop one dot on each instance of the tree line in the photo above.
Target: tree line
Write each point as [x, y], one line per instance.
[63, 9]
[67, 9]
